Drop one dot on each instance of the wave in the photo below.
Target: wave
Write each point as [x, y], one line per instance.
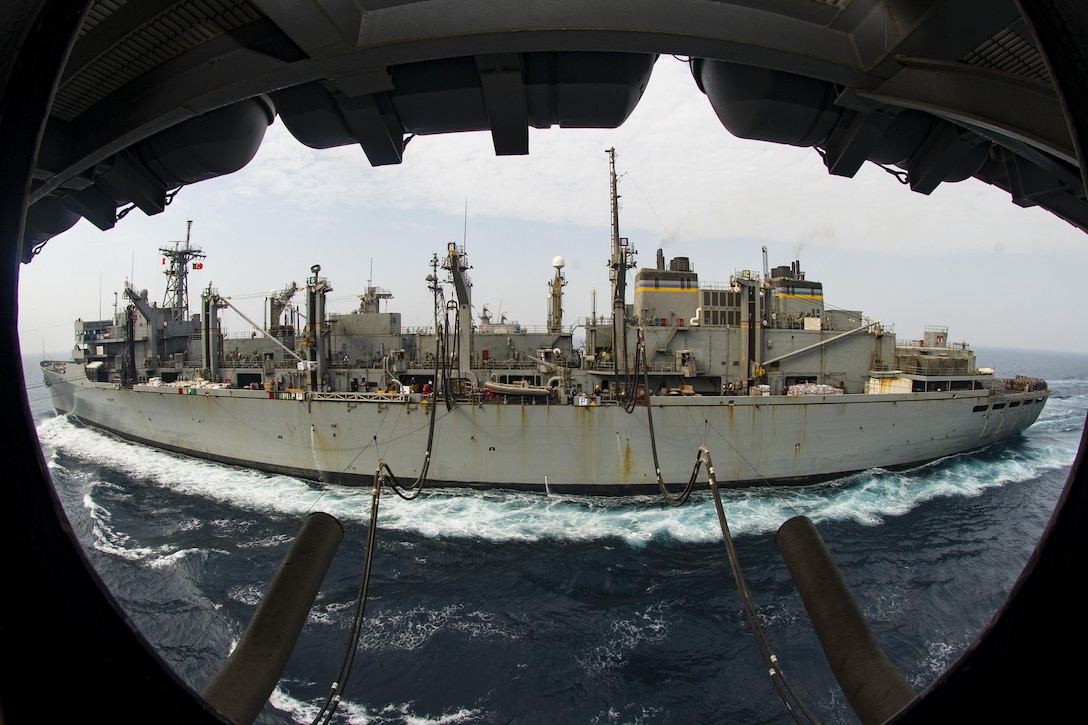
[867, 498]
[353, 713]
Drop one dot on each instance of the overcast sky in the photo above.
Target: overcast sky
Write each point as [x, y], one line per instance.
[965, 256]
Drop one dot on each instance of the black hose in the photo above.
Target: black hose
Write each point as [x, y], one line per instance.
[332, 700]
[412, 492]
[670, 498]
[785, 691]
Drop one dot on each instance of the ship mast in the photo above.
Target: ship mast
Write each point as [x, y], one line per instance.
[176, 300]
[618, 265]
[555, 296]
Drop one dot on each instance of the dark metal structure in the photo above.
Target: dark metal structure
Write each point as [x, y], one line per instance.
[107, 105]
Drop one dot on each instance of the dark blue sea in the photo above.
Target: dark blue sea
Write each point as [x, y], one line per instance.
[527, 608]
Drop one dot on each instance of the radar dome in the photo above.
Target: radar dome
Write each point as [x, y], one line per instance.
[559, 262]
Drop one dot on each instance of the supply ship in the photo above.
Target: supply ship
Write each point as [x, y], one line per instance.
[781, 388]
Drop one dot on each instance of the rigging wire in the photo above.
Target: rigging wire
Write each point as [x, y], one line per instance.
[669, 235]
[763, 480]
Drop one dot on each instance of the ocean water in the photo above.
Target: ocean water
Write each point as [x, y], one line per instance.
[527, 608]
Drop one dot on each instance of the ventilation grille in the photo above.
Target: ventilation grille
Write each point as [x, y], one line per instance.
[130, 39]
[1010, 52]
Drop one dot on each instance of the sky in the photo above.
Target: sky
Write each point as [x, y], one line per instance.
[964, 257]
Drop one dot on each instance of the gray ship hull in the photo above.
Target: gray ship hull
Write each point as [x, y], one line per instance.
[343, 438]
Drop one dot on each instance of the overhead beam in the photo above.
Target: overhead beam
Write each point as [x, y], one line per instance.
[246, 63]
[978, 98]
[351, 45]
[311, 27]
